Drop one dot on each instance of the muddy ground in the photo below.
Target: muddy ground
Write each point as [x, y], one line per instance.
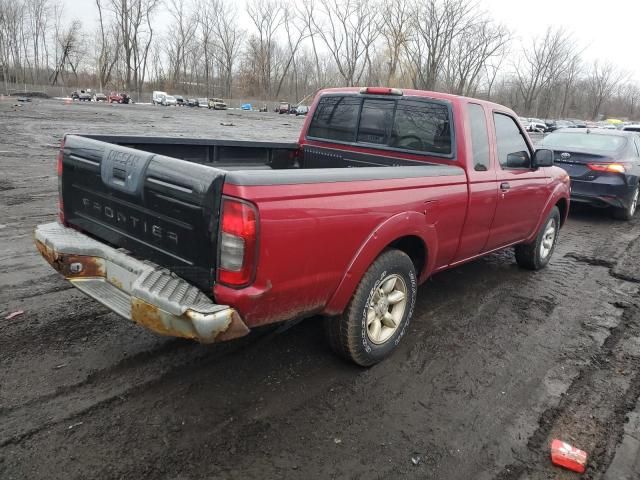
[497, 361]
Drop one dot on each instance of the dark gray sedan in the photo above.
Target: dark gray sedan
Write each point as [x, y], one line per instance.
[604, 166]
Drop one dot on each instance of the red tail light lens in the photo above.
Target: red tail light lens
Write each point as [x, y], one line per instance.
[59, 169]
[608, 167]
[237, 243]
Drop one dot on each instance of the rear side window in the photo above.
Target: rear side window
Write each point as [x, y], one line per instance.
[479, 137]
[422, 126]
[513, 151]
[336, 118]
[400, 123]
[375, 121]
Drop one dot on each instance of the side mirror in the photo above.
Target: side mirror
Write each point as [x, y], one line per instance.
[542, 158]
[518, 160]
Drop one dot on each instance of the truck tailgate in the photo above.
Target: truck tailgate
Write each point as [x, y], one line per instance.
[158, 208]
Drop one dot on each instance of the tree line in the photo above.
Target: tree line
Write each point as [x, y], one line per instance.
[285, 49]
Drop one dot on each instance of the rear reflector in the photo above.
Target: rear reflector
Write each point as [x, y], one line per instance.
[380, 91]
[237, 243]
[608, 167]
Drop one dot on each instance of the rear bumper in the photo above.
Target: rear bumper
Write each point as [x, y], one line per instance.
[602, 194]
[140, 291]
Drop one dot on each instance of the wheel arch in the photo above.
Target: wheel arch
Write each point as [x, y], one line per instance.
[407, 232]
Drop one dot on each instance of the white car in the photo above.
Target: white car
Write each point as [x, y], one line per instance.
[169, 100]
[631, 128]
[536, 125]
[157, 96]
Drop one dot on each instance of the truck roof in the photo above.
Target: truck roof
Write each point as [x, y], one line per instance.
[408, 92]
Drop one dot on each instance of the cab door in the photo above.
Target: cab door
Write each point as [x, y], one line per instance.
[483, 187]
[521, 189]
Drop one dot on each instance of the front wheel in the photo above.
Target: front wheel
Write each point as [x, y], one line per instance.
[536, 255]
[628, 212]
[379, 312]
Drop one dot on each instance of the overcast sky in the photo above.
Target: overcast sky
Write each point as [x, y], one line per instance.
[606, 29]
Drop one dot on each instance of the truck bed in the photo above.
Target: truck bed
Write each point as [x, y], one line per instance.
[159, 198]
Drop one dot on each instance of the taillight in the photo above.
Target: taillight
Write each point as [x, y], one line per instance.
[59, 168]
[608, 167]
[381, 91]
[237, 243]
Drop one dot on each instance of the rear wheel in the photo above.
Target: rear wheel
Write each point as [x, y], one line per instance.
[628, 212]
[379, 312]
[536, 255]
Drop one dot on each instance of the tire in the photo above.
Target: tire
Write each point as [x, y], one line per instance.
[627, 213]
[359, 334]
[536, 255]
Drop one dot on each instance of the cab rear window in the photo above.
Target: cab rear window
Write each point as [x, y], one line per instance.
[399, 123]
[336, 118]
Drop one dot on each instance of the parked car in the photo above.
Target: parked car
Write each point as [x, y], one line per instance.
[286, 230]
[115, 97]
[630, 128]
[558, 124]
[203, 102]
[536, 125]
[578, 124]
[82, 95]
[284, 107]
[217, 104]
[302, 110]
[192, 102]
[180, 101]
[603, 165]
[99, 97]
[157, 96]
[169, 101]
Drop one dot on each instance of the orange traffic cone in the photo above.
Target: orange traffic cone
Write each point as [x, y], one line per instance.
[571, 458]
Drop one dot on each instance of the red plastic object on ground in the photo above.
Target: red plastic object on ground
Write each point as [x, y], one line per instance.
[571, 458]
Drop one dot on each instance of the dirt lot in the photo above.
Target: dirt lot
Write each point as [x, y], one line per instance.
[497, 360]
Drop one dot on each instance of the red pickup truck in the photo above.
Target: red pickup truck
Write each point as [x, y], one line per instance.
[206, 239]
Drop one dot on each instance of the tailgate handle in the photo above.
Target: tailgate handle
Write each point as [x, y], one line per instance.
[124, 168]
[504, 186]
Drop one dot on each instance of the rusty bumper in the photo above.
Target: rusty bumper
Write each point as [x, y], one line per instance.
[140, 291]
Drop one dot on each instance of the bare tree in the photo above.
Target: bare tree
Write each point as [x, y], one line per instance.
[208, 13]
[349, 31]
[70, 45]
[228, 43]
[438, 25]
[630, 94]
[38, 13]
[396, 31]
[267, 17]
[568, 81]
[296, 32]
[546, 59]
[133, 19]
[479, 41]
[601, 82]
[180, 38]
[307, 13]
[108, 47]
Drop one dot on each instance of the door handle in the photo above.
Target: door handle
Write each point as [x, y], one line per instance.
[504, 186]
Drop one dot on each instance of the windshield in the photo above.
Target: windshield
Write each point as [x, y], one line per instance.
[584, 141]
